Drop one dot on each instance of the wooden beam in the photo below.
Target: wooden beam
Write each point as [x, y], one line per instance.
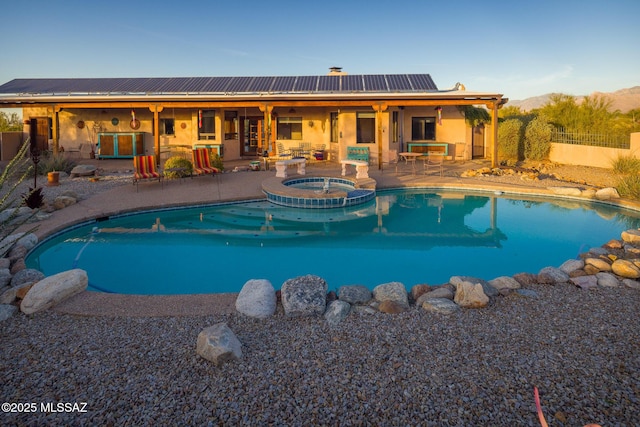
[494, 134]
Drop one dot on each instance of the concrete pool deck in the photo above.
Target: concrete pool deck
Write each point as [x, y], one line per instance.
[229, 186]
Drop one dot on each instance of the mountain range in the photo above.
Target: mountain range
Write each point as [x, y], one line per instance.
[624, 100]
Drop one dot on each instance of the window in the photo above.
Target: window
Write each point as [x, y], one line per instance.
[423, 128]
[206, 124]
[395, 129]
[230, 125]
[334, 127]
[290, 128]
[167, 127]
[365, 127]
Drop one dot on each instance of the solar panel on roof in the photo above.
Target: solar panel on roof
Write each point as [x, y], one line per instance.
[283, 84]
[375, 83]
[260, 84]
[306, 84]
[329, 83]
[352, 83]
[422, 82]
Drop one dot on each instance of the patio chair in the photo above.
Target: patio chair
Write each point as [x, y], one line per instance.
[390, 157]
[201, 163]
[433, 161]
[145, 169]
[282, 153]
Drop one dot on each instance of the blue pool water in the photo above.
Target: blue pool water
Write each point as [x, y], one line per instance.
[411, 236]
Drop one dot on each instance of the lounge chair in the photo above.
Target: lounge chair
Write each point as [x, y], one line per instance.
[145, 169]
[201, 163]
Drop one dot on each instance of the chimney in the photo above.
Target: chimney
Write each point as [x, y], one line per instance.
[336, 71]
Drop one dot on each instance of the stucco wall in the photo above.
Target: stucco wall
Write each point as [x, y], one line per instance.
[600, 157]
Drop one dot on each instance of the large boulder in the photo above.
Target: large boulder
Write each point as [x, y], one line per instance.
[28, 275]
[304, 296]
[392, 291]
[257, 298]
[631, 236]
[218, 344]
[608, 193]
[488, 290]
[336, 312]
[440, 305]
[470, 295]
[626, 269]
[354, 294]
[53, 290]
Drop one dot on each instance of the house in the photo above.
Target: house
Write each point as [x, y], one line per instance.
[244, 117]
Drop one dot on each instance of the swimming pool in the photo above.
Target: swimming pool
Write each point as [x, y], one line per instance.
[411, 236]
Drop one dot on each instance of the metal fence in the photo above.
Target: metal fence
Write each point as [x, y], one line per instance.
[591, 139]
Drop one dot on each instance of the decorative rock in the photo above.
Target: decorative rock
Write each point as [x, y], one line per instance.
[5, 277]
[419, 290]
[631, 236]
[598, 263]
[589, 193]
[439, 292]
[18, 266]
[83, 170]
[336, 312]
[585, 282]
[392, 307]
[6, 311]
[354, 294]
[504, 282]
[62, 202]
[486, 287]
[566, 191]
[10, 294]
[598, 251]
[526, 279]
[625, 268]
[218, 344]
[257, 298]
[552, 276]
[440, 305]
[607, 193]
[28, 275]
[572, 265]
[363, 309]
[469, 295]
[590, 269]
[5, 263]
[53, 290]
[607, 280]
[613, 244]
[633, 284]
[27, 240]
[392, 291]
[16, 252]
[304, 296]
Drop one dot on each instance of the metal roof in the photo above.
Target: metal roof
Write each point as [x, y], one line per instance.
[348, 83]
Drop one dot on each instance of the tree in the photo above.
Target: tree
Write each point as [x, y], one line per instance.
[9, 123]
[509, 140]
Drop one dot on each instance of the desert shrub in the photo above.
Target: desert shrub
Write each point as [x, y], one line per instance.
[12, 176]
[537, 139]
[626, 165]
[509, 137]
[629, 186]
[216, 162]
[55, 162]
[178, 162]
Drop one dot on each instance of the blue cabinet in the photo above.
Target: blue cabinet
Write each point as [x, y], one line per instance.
[120, 145]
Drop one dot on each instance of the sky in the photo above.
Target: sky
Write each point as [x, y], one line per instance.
[516, 48]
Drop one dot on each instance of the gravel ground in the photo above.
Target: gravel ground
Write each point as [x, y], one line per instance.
[474, 368]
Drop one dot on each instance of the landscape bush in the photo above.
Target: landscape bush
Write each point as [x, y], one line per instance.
[55, 162]
[178, 162]
[509, 137]
[537, 139]
[628, 170]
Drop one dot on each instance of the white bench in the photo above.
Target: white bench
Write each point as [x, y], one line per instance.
[362, 167]
[281, 166]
